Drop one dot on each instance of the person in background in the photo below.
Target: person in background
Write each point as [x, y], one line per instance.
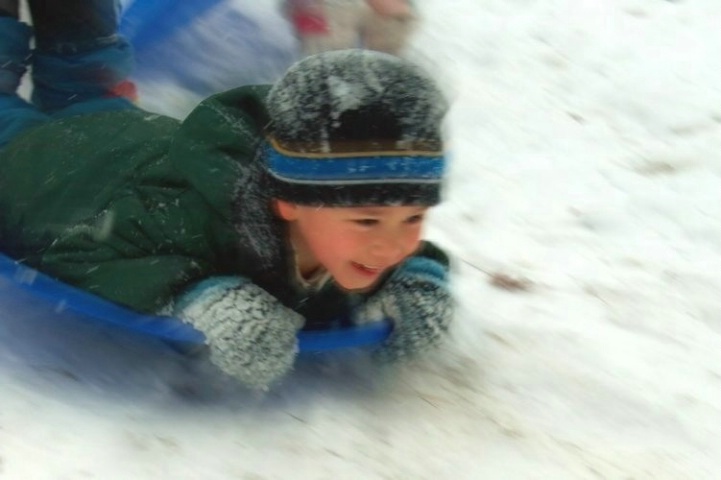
[323, 25]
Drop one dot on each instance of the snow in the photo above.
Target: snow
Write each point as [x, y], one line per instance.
[583, 212]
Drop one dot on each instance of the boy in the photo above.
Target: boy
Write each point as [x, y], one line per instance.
[267, 210]
[323, 25]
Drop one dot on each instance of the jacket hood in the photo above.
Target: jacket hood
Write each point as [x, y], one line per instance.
[226, 131]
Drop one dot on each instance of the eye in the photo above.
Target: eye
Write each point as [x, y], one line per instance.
[415, 219]
[366, 222]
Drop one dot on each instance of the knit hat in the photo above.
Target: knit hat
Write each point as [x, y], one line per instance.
[355, 127]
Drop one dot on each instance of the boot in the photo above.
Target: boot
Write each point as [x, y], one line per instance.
[79, 57]
[9, 8]
[73, 26]
[14, 53]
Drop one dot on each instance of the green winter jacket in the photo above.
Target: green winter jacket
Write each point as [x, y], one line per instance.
[136, 207]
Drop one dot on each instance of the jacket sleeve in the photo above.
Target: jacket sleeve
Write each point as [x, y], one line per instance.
[125, 255]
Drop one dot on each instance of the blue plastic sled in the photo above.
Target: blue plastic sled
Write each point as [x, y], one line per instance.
[147, 22]
[66, 301]
[207, 46]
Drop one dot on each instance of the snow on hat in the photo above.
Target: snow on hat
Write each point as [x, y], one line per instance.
[355, 127]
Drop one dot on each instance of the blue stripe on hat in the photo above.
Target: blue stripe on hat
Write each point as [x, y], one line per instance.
[349, 170]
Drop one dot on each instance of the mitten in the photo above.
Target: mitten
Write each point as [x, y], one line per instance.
[250, 334]
[417, 300]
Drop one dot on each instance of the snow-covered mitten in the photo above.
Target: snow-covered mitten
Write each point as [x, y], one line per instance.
[250, 334]
[417, 300]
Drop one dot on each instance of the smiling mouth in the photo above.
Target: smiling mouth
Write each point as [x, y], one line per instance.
[371, 269]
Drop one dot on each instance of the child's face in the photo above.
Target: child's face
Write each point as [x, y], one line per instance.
[355, 244]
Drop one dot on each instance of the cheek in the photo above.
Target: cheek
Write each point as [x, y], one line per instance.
[413, 237]
[327, 242]
[343, 243]
[317, 240]
[412, 240]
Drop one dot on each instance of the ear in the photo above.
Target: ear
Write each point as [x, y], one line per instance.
[286, 210]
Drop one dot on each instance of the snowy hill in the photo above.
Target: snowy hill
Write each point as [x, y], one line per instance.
[583, 213]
